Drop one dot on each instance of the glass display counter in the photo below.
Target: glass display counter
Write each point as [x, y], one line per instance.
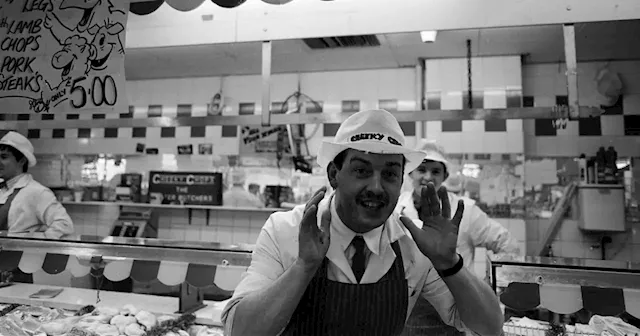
[566, 291]
[191, 269]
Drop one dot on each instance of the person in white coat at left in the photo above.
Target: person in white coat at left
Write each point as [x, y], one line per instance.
[27, 206]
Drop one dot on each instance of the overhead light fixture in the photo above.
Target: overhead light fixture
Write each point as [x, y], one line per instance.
[428, 36]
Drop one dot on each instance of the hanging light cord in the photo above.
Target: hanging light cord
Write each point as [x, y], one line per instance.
[469, 82]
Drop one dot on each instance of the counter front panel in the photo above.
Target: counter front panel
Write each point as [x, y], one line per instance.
[565, 286]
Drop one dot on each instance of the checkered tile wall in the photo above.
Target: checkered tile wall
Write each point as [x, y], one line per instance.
[335, 92]
[496, 83]
[619, 126]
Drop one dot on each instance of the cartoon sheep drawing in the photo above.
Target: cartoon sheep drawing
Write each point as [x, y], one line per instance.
[75, 57]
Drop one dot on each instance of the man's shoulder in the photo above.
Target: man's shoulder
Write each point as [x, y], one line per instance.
[33, 186]
[285, 222]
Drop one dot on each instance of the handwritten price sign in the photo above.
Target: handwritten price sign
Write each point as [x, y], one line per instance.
[62, 55]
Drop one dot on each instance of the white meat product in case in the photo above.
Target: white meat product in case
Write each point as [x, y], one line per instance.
[129, 309]
[59, 327]
[107, 330]
[108, 311]
[89, 326]
[164, 318]
[96, 318]
[146, 319]
[171, 333]
[134, 329]
[122, 321]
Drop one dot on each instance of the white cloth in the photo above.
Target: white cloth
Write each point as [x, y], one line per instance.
[35, 209]
[476, 228]
[239, 197]
[277, 249]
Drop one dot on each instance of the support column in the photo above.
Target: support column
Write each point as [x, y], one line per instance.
[572, 69]
[419, 97]
[266, 83]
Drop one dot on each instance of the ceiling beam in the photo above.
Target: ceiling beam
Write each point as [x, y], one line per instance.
[266, 83]
[571, 60]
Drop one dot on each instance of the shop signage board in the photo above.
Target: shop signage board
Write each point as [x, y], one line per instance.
[63, 55]
[185, 188]
[257, 139]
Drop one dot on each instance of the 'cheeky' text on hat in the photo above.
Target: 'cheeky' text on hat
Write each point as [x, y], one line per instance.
[373, 136]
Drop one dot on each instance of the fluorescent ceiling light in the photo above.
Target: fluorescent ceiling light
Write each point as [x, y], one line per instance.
[428, 36]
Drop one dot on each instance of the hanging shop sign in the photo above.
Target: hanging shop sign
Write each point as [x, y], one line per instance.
[264, 140]
[185, 188]
[62, 55]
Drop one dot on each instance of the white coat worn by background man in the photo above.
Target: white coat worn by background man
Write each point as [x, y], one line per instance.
[348, 264]
[237, 195]
[476, 230]
[26, 206]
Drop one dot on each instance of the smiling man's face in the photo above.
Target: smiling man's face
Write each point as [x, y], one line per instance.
[367, 187]
[428, 171]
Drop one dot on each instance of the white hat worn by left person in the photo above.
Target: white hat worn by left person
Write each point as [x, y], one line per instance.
[21, 144]
[373, 131]
[433, 152]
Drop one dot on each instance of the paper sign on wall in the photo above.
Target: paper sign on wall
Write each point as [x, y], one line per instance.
[62, 55]
[263, 139]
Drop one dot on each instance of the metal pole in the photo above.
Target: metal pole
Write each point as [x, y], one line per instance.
[266, 83]
[572, 69]
[419, 99]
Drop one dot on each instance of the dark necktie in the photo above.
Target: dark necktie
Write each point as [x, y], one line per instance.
[358, 263]
[3, 184]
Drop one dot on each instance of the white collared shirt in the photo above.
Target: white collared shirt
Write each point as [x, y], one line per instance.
[35, 211]
[9, 187]
[277, 249]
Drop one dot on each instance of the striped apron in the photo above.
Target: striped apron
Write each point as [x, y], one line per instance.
[339, 309]
[425, 321]
[18, 275]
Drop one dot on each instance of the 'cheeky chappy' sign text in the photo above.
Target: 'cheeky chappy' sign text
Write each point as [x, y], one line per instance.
[62, 54]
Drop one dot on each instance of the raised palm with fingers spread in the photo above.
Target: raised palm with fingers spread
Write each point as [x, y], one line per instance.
[438, 237]
[313, 241]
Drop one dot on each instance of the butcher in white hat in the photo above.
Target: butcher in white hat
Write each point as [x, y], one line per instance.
[476, 228]
[237, 195]
[347, 264]
[27, 206]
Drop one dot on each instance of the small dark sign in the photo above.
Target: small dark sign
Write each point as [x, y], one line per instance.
[185, 149]
[140, 147]
[189, 188]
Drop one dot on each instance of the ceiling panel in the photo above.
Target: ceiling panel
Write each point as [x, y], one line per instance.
[542, 44]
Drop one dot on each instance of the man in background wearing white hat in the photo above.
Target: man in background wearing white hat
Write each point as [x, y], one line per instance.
[476, 228]
[347, 264]
[237, 195]
[27, 206]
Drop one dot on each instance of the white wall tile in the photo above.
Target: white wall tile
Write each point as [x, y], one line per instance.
[451, 100]
[452, 142]
[495, 142]
[495, 99]
[514, 125]
[473, 126]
